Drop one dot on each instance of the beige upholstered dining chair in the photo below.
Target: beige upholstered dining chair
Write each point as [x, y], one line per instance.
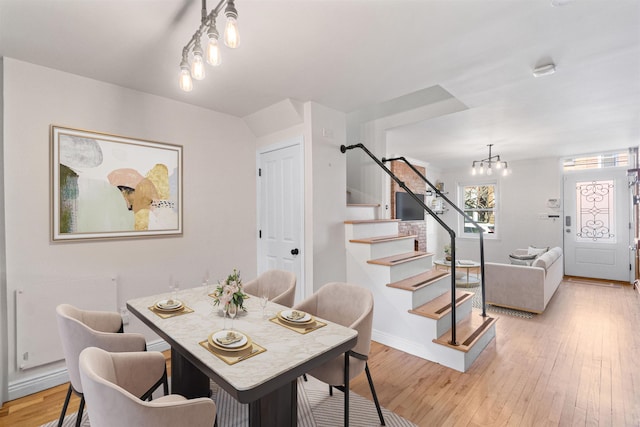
[279, 286]
[80, 329]
[351, 306]
[112, 382]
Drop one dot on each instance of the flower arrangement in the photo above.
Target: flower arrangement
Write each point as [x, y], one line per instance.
[230, 290]
[447, 252]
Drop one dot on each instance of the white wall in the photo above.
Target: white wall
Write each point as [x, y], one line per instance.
[325, 132]
[3, 258]
[522, 197]
[218, 184]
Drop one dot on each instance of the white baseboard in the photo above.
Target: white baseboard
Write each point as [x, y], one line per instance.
[25, 387]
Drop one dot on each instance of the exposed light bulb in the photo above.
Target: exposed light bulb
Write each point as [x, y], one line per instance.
[213, 53]
[231, 34]
[498, 165]
[197, 66]
[489, 170]
[481, 168]
[186, 84]
[213, 48]
[473, 170]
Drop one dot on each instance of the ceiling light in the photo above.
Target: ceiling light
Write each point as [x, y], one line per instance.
[544, 70]
[489, 164]
[231, 35]
[186, 84]
[213, 48]
[208, 22]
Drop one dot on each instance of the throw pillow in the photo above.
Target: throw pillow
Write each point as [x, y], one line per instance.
[532, 250]
[522, 259]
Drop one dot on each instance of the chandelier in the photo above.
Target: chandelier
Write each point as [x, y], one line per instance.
[489, 164]
[208, 22]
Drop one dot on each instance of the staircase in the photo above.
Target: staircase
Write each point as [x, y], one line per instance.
[412, 299]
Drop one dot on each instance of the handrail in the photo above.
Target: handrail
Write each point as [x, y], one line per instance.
[461, 212]
[452, 233]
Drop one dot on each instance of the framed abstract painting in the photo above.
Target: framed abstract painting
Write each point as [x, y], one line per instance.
[107, 186]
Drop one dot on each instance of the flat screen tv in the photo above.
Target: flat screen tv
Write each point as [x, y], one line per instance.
[407, 209]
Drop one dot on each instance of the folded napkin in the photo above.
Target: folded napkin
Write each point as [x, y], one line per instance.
[296, 315]
[230, 338]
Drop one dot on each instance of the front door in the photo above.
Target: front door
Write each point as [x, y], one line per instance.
[280, 210]
[596, 224]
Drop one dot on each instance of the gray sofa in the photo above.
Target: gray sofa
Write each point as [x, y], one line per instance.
[523, 287]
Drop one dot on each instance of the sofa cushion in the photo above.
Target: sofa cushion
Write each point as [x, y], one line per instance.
[522, 259]
[546, 259]
[532, 250]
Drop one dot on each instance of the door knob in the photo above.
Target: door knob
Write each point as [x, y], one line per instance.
[295, 251]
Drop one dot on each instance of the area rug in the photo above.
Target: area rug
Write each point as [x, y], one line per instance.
[476, 302]
[316, 408]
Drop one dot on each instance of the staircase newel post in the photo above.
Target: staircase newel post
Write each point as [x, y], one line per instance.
[453, 288]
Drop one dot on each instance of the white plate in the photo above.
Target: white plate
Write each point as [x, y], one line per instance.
[287, 315]
[166, 304]
[223, 334]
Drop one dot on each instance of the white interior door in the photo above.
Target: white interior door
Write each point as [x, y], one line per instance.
[280, 211]
[596, 224]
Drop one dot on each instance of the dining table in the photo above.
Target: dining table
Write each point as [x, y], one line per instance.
[265, 373]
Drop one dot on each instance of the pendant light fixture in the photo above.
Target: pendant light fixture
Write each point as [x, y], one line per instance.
[480, 167]
[196, 70]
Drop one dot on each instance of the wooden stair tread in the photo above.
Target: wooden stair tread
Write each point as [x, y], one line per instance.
[380, 239]
[370, 221]
[400, 258]
[364, 205]
[440, 306]
[419, 281]
[468, 332]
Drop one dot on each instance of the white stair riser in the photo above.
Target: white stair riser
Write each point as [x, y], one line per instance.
[462, 311]
[370, 229]
[480, 345]
[386, 249]
[428, 293]
[362, 212]
[405, 270]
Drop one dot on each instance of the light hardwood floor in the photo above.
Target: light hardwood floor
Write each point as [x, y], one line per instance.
[578, 363]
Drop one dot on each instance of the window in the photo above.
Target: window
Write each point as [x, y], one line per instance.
[479, 203]
[595, 211]
[597, 161]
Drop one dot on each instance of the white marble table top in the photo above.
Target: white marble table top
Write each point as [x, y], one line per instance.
[286, 349]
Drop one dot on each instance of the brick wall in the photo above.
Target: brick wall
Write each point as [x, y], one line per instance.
[418, 186]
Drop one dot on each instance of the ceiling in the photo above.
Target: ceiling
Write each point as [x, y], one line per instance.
[352, 55]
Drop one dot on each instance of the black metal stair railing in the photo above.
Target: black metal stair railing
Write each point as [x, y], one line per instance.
[452, 233]
[461, 212]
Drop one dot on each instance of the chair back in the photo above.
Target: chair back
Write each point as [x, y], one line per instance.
[348, 305]
[279, 286]
[351, 306]
[110, 404]
[76, 335]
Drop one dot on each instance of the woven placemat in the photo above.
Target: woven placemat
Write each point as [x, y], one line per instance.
[168, 314]
[233, 357]
[302, 329]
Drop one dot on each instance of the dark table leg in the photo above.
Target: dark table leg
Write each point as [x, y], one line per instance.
[277, 409]
[186, 379]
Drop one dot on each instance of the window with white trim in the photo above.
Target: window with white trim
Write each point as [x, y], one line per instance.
[478, 201]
